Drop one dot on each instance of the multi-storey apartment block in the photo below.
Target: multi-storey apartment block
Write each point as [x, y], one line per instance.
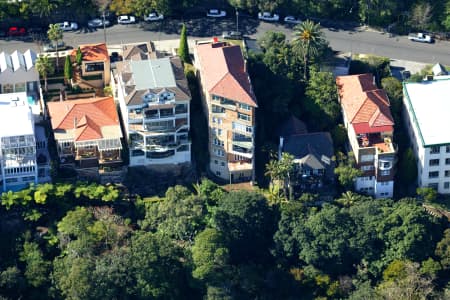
[370, 126]
[18, 74]
[17, 142]
[426, 107]
[88, 136]
[229, 104]
[154, 99]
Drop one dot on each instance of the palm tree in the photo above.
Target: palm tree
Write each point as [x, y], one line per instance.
[309, 39]
[44, 67]
[279, 171]
[55, 34]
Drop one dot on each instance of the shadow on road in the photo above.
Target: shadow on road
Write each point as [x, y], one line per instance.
[202, 27]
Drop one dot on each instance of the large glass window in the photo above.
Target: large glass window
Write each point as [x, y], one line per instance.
[433, 174]
[244, 116]
[93, 67]
[435, 149]
[435, 162]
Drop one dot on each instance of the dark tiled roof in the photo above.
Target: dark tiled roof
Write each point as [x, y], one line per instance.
[292, 126]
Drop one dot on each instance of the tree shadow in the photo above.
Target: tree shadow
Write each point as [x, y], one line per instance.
[203, 27]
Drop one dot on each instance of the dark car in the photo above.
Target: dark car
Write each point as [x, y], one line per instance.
[232, 35]
[16, 31]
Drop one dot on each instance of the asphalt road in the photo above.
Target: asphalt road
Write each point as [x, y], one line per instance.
[346, 39]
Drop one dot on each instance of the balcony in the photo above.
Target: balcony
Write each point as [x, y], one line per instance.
[382, 145]
[243, 148]
[160, 155]
[110, 157]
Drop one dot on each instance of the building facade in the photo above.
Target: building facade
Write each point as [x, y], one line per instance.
[88, 136]
[17, 142]
[370, 127]
[154, 101]
[426, 109]
[229, 104]
[18, 74]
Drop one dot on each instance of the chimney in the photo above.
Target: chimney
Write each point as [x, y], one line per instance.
[75, 121]
[215, 39]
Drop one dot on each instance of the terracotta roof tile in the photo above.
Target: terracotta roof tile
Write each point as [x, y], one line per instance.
[86, 116]
[93, 52]
[225, 73]
[363, 102]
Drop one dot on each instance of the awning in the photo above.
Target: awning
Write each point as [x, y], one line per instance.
[109, 145]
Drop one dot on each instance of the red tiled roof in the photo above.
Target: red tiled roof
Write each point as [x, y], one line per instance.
[225, 74]
[364, 103]
[85, 116]
[93, 52]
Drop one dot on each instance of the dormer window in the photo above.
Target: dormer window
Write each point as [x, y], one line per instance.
[165, 96]
[149, 97]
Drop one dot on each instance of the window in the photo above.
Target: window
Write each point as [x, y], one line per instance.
[387, 165]
[214, 120]
[435, 150]
[244, 106]
[433, 174]
[222, 164]
[447, 173]
[242, 127]
[217, 109]
[446, 185]
[216, 161]
[366, 158]
[219, 152]
[93, 67]
[435, 162]
[229, 102]
[214, 97]
[218, 142]
[447, 149]
[447, 161]
[385, 173]
[218, 173]
[244, 116]
[385, 183]
[367, 168]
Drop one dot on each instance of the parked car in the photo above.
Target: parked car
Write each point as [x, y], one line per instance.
[51, 47]
[215, 13]
[269, 17]
[98, 22]
[154, 16]
[126, 20]
[16, 31]
[421, 37]
[68, 26]
[292, 20]
[232, 35]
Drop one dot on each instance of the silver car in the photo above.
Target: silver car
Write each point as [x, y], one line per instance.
[97, 22]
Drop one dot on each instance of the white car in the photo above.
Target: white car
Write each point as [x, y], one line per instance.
[126, 20]
[154, 16]
[292, 20]
[68, 26]
[215, 13]
[269, 17]
[95, 23]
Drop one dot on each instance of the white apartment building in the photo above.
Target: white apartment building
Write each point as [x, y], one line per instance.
[370, 127]
[17, 143]
[18, 74]
[154, 99]
[426, 107]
